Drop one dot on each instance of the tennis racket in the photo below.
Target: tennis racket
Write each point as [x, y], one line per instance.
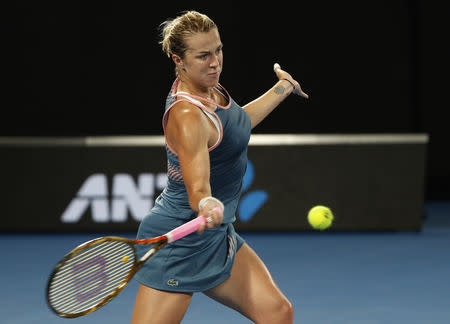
[96, 271]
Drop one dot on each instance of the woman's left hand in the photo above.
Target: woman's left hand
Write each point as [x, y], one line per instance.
[286, 76]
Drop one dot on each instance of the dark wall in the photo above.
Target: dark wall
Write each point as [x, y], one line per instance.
[433, 69]
[95, 68]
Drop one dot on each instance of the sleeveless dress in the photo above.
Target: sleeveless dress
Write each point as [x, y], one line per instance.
[199, 262]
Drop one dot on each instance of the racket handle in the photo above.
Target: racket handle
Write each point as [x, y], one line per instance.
[185, 229]
[188, 228]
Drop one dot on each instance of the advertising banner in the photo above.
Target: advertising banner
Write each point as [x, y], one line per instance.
[370, 182]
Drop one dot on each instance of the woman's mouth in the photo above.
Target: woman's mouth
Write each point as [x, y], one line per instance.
[214, 74]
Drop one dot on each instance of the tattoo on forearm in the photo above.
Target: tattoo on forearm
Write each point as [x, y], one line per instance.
[279, 90]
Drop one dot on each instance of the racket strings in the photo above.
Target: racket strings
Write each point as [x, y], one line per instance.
[86, 278]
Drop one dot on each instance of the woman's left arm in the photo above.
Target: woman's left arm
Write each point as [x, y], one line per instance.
[259, 108]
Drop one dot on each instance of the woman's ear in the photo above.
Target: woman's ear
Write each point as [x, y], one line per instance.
[178, 61]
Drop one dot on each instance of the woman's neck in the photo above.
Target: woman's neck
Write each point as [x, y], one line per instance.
[189, 87]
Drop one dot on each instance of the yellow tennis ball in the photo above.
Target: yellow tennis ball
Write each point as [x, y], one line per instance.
[320, 217]
[125, 259]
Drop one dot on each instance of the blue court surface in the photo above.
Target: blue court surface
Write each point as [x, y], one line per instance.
[329, 277]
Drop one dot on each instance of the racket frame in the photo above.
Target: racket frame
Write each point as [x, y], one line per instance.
[159, 242]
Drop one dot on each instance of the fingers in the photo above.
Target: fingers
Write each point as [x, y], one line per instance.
[213, 218]
[299, 92]
[302, 94]
[201, 228]
[276, 67]
[284, 75]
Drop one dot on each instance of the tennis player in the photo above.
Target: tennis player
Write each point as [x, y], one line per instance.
[207, 135]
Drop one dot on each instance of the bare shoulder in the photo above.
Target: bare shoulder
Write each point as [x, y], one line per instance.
[185, 113]
[187, 126]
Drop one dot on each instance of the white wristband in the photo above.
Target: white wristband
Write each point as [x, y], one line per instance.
[203, 201]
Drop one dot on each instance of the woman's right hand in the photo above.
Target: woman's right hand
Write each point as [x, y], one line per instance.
[212, 211]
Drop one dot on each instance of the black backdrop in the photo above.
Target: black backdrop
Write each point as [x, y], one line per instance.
[95, 68]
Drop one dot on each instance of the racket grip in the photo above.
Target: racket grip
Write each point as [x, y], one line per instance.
[188, 228]
[185, 229]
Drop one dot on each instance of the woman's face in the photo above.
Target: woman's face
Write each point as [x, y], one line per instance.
[202, 63]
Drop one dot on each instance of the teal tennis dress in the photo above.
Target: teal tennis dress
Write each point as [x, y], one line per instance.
[199, 262]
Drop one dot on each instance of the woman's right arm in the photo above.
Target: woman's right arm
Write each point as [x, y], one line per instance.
[188, 132]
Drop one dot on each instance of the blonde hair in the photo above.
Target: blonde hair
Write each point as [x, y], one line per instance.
[174, 31]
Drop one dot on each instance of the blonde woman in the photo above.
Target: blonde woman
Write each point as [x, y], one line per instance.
[207, 135]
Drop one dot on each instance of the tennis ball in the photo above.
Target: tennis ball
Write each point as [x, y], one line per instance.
[125, 259]
[320, 217]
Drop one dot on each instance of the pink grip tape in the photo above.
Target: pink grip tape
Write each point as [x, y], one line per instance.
[188, 228]
[185, 229]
